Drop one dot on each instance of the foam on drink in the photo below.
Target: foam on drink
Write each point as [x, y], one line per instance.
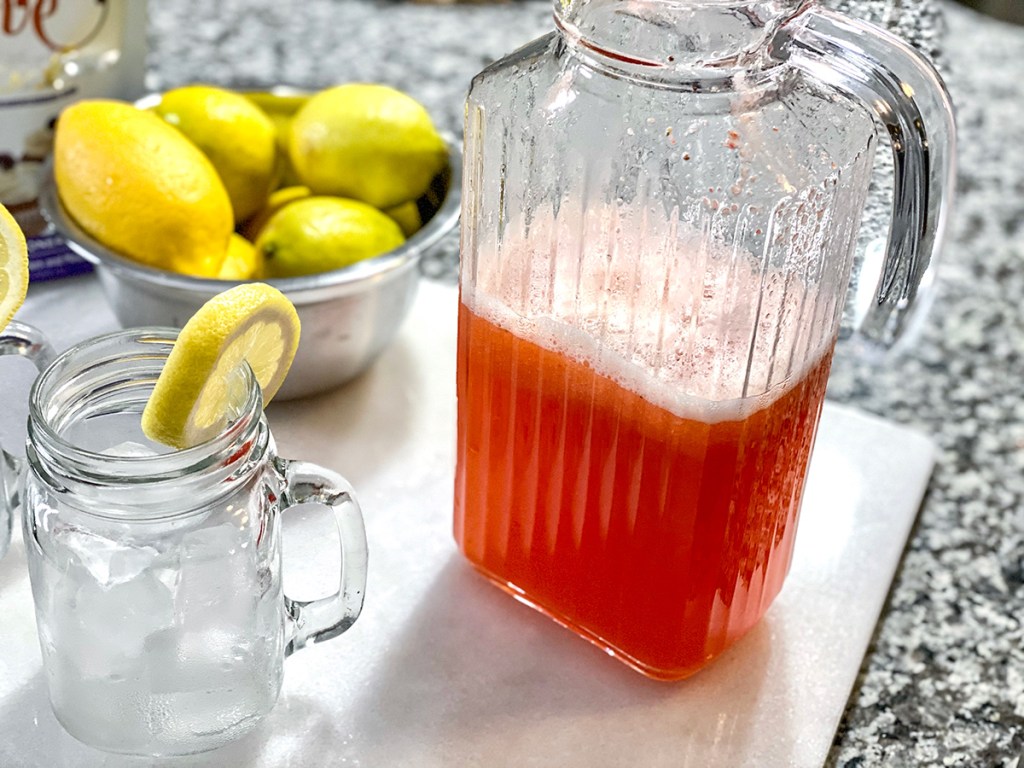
[692, 325]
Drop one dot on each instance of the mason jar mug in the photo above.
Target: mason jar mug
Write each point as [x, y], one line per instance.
[156, 573]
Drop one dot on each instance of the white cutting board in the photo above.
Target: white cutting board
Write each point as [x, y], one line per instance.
[443, 669]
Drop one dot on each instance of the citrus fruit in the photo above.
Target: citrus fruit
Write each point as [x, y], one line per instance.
[280, 108]
[252, 323]
[13, 267]
[277, 200]
[141, 188]
[367, 142]
[284, 104]
[242, 261]
[235, 134]
[319, 234]
[407, 215]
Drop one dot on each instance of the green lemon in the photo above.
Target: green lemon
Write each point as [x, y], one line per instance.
[366, 142]
[319, 234]
[235, 134]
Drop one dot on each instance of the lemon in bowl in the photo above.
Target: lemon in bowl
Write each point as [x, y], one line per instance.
[349, 313]
[236, 136]
[321, 234]
[138, 185]
[242, 261]
[366, 142]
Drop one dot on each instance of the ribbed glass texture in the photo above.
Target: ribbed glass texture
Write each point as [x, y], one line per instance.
[652, 282]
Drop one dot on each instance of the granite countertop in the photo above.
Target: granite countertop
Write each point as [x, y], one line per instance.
[943, 683]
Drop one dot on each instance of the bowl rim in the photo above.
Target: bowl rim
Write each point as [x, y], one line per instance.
[84, 245]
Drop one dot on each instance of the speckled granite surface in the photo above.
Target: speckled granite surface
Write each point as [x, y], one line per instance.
[943, 683]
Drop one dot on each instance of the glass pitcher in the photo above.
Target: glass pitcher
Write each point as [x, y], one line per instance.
[661, 203]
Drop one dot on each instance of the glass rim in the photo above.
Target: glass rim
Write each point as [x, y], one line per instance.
[69, 461]
[561, 6]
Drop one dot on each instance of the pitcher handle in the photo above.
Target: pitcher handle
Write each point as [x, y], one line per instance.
[317, 620]
[906, 93]
[17, 339]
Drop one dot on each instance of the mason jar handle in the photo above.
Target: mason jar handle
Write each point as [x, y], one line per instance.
[908, 96]
[317, 620]
[17, 339]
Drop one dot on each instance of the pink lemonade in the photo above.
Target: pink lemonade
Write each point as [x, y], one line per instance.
[660, 534]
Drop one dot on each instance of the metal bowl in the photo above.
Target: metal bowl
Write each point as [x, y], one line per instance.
[348, 315]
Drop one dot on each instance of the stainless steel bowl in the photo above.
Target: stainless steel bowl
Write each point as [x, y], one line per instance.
[348, 316]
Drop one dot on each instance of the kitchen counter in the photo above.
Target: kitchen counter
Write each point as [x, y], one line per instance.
[943, 683]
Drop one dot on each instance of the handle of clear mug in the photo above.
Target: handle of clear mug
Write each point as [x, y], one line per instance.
[28, 342]
[906, 93]
[317, 620]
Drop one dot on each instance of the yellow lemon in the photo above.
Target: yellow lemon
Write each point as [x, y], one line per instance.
[252, 323]
[367, 142]
[408, 217]
[280, 108]
[277, 200]
[242, 262]
[13, 267]
[234, 133]
[285, 104]
[319, 234]
[141, 188]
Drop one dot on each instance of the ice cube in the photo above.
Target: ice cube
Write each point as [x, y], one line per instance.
[108, 561]
[101, 630]
[138, 607]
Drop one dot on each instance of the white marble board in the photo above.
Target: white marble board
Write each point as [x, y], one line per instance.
[443, 669]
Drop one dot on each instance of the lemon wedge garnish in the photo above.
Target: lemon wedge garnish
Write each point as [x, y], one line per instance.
[251, 323]
[13, 267]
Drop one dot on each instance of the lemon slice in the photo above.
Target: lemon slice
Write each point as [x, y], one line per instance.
[13, 267]
[252, 323]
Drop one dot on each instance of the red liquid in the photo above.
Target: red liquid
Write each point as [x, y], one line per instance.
[662, 539]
